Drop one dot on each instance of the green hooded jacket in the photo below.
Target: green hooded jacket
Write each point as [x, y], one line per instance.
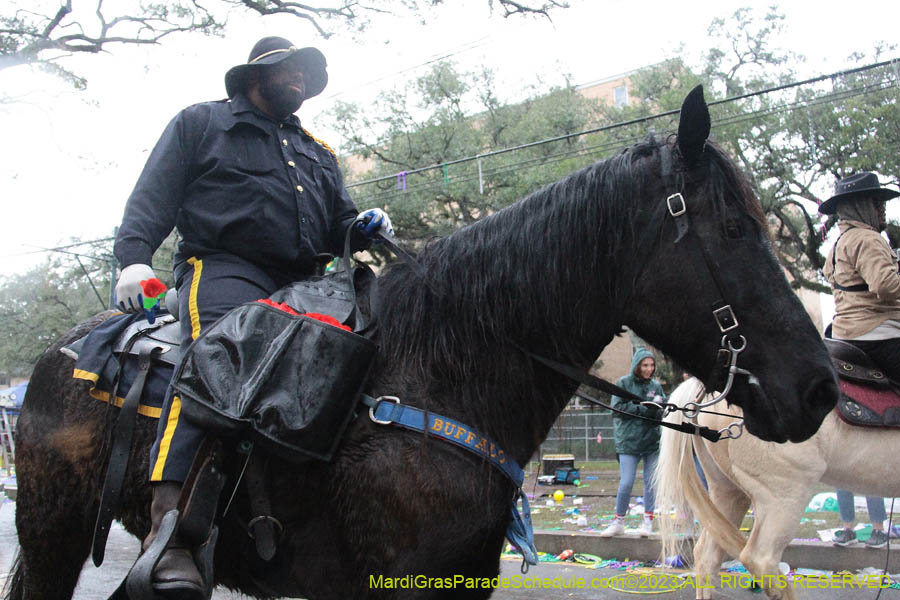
[636, 436]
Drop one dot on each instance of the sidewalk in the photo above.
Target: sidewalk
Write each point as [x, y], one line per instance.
[810, 555]
[551, 581]
[546, 581]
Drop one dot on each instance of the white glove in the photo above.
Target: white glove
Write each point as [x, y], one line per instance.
[129, 294]
[171, 302]
[373, 221]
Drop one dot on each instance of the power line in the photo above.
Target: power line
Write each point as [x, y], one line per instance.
[60, 248]
[596, 149]
[635, 121]
[437, 184]
[604, 147]
[436, 58]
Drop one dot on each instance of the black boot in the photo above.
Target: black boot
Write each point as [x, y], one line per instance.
[176, 575]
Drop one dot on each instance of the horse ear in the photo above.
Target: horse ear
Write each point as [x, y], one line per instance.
[693, 126]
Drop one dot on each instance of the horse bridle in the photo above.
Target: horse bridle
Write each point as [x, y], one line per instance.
[733, 341]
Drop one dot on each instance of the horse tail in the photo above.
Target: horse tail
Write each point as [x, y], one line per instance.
[678, 486]
[14, 588]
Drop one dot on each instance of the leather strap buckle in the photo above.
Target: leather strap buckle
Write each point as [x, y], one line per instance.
[676, 204]
[378, 402]
[725, 319]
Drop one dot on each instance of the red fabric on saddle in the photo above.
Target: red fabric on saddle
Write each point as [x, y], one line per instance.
[877, 400]
[327, 319]
[279, 305]
[319, 317]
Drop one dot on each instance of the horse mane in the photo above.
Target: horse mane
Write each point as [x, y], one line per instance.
[487, 264]
[490, 288]
[726, 181]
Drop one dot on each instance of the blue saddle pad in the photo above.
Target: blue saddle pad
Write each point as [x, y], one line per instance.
[98, 364]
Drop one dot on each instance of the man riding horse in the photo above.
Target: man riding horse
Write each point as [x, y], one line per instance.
[259, 203]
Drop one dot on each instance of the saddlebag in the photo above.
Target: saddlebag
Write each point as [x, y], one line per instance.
[289, 383]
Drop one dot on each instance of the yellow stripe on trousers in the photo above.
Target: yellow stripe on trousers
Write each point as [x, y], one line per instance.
[166, 441]
[192, 299]
[175, 411]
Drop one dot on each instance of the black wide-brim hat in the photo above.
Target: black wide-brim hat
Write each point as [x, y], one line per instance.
[861, 185]
[272, 50]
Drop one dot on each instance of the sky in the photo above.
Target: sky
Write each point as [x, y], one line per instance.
[69, 158]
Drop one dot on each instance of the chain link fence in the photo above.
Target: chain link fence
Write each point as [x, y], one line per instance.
[575, 432]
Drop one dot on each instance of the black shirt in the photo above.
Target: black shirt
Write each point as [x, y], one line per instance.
[234, 181]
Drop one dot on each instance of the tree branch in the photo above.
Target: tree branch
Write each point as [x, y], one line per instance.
[23, 42]
[55, 21]
[512, 8]
[28, 37]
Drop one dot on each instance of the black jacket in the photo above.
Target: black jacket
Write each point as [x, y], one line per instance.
[234, 181]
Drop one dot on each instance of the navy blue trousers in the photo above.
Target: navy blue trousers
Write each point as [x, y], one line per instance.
[207, 289]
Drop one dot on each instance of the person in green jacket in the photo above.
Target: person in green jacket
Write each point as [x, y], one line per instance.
[636, 439]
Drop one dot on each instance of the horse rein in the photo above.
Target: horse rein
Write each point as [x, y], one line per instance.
[597, 383]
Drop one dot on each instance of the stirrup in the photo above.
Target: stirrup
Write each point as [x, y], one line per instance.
[204, 556]
[139, 581]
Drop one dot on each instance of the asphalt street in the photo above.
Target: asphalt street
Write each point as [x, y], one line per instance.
[543, 582]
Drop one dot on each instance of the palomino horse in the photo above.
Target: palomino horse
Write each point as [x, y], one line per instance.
[777, 480]
[558, 273]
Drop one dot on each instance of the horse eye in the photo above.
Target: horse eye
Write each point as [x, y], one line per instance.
[733, 230]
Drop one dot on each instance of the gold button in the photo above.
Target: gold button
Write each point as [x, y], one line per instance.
[299, 188]
[284, 142]
[292, 163]
[281, 126]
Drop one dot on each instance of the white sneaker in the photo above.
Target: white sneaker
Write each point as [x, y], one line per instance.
[617, 527]
[646, 528]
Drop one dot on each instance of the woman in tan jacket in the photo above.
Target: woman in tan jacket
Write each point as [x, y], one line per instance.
[863, 271]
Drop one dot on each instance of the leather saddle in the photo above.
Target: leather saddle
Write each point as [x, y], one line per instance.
[164, 335]
[868, 397]
[328, 294]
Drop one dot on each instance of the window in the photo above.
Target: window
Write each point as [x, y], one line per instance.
[620, 96]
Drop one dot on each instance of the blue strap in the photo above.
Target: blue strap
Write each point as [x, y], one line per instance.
[387, 410]
[519, 532]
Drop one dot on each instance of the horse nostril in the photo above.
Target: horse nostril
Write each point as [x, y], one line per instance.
[823, 396]
[819, 399]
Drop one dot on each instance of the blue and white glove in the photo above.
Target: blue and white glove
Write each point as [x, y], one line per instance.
[374, 221]
[129, 293]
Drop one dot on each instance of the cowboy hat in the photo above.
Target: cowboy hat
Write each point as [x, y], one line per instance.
[861, 185]
[271, 50]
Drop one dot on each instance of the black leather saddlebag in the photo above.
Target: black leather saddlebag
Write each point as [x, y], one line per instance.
[289, 383]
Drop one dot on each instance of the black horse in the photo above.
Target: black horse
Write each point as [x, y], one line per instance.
[557, 274]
